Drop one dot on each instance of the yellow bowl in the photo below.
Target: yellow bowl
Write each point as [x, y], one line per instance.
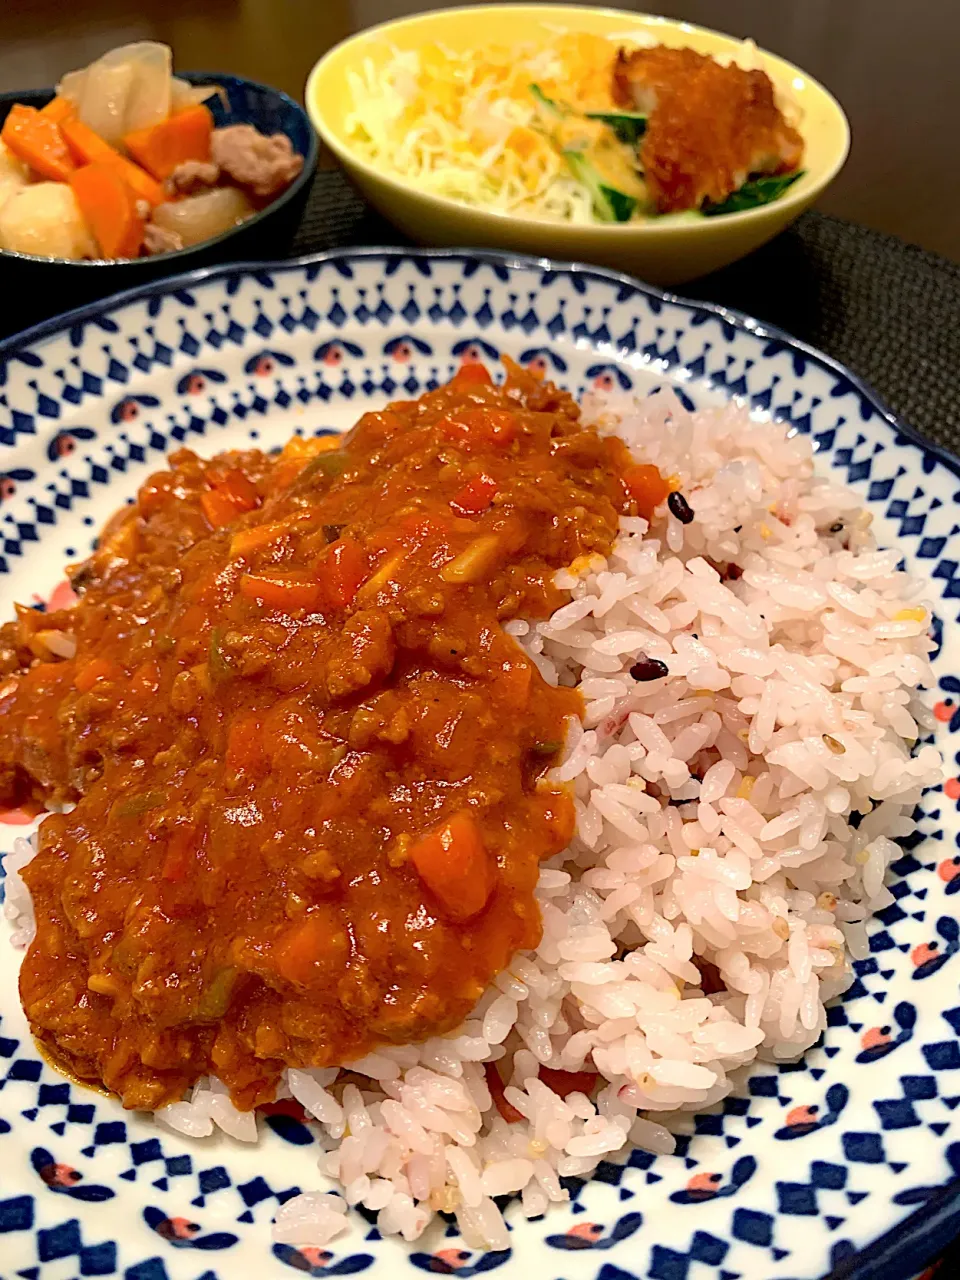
[667, 250]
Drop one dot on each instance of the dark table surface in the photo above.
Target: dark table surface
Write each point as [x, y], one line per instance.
[891, 63]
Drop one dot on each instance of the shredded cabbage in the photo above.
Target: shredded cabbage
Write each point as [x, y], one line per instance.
[466, 126]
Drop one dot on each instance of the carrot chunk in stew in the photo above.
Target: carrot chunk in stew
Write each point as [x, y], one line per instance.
[36, 139]
[182, 137]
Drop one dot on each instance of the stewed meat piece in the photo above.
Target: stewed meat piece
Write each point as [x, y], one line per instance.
[160, 240]
[264, 166]
[192, 176]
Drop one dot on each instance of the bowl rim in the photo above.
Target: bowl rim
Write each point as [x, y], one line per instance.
[792, 200]
[183, 255]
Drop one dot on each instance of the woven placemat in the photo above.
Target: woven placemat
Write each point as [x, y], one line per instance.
[887, 310]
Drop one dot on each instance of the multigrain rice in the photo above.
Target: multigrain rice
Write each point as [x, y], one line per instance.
[715, 892]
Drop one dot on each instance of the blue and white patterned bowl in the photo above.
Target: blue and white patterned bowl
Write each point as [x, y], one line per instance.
[815, 1161]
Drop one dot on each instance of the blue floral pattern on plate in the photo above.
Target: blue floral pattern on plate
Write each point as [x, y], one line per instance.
[242, 356]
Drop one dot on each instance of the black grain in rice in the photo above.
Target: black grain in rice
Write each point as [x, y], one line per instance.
[679, 507]
[649, 669]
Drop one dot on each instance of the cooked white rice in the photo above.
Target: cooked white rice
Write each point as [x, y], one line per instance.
[713, 809]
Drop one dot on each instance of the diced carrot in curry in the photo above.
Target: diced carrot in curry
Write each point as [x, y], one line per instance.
[179, 853]
[297, 453]
[476, 495]
[94, 670]
[472, 373]
[455, 866]
[314, 949]
[280, 590]
[146, 679]
[244, 747]
[647, 488]
[475, 427]
[230, 496]
[342, 571]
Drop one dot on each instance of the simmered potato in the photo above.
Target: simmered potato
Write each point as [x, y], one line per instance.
[13, 174]
[44, 219]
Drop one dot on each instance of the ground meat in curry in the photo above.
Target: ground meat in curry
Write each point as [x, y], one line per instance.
[305, 757]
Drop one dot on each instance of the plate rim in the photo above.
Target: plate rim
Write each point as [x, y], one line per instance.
[739, 320]
[896, 1252]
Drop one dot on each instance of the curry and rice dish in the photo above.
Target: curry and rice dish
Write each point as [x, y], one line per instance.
[494, 783]
[580, 130]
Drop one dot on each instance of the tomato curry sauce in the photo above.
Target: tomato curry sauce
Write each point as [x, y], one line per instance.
[305, 758]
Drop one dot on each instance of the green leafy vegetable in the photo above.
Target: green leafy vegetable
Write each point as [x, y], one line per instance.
[548, 104]
[609, 204]
[753, 194]
[629, 126]
[545, 749]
